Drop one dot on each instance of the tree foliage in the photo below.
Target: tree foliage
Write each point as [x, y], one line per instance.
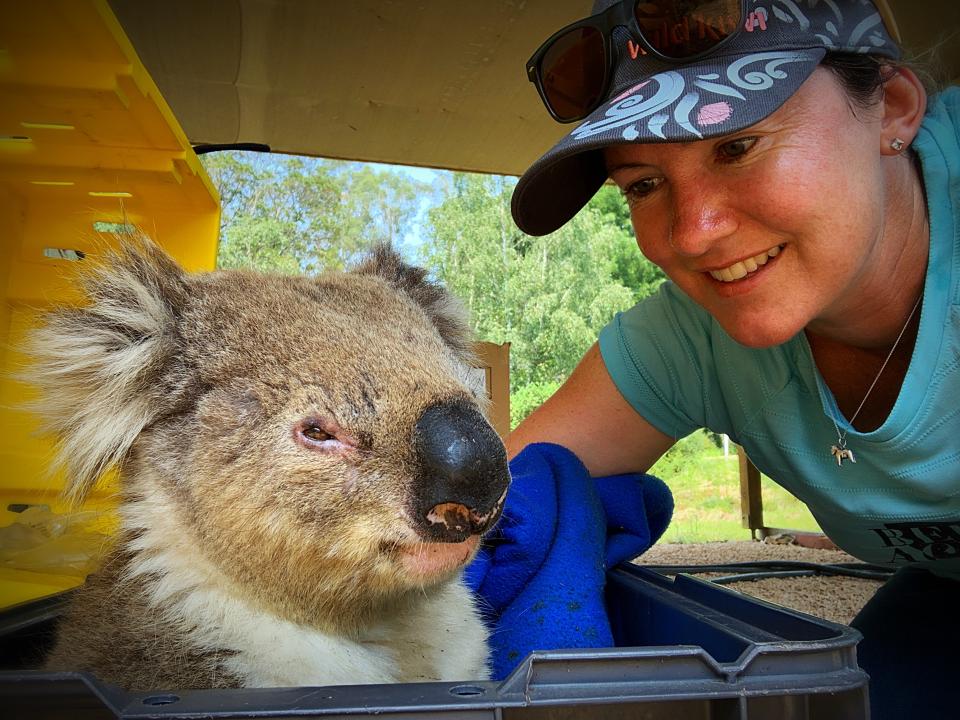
[304, 215]
[548, 296]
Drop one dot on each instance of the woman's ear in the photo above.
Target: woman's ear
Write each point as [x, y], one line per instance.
[904, 105]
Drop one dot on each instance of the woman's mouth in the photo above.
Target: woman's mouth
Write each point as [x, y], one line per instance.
[743, 268]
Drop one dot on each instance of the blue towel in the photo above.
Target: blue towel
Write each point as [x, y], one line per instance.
[540, 574]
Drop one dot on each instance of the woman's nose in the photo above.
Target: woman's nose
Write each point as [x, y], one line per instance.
[702, 215]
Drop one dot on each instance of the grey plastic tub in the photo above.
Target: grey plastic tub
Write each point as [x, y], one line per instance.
[685, 649]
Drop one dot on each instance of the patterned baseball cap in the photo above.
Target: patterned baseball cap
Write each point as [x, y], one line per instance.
[654, 100]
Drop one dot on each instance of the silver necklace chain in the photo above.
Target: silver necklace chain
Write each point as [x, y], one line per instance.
[840, 451]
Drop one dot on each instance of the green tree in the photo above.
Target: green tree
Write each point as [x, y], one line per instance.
[292, 214]
[548, 296]
[631, 269]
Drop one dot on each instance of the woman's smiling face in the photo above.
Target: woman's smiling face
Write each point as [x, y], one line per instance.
[770, 228]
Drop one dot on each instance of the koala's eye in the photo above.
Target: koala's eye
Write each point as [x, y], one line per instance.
[317, 434]
[322, 434]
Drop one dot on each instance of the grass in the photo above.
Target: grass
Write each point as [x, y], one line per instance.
[706, 492]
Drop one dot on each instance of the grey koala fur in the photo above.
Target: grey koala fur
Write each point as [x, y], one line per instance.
[304, 470]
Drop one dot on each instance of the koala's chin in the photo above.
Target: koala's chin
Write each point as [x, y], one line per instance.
[305, 470]
[417, 563]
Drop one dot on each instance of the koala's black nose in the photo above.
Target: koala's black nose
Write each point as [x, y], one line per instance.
[463, 474]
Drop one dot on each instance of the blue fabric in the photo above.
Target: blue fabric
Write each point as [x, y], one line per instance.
[540, 575]
[900, 503]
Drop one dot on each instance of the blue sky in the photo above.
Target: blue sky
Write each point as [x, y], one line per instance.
[413, 239]
[427, 175]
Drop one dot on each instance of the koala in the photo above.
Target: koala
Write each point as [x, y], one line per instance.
[304, 470]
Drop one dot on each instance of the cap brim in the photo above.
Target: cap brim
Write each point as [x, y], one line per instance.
[698, 101]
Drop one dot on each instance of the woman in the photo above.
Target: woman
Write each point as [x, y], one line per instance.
[801, 194]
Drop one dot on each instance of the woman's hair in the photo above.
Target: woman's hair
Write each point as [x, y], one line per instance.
[863, 76]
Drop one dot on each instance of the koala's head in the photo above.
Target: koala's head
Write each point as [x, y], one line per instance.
[318, 437]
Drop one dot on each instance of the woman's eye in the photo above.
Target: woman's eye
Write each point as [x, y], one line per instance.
[735, 149]
[315, 433]
[641, 188]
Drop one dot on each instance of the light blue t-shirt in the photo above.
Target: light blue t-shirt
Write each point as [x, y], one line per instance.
[900, 503]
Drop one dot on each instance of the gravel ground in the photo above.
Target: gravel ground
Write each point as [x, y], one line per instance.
[832, 598]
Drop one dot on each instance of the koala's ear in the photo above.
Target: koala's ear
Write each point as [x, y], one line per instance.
[446, 311]
[100, 367]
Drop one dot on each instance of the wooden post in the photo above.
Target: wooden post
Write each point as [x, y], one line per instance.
[494, 362]
[751, 499]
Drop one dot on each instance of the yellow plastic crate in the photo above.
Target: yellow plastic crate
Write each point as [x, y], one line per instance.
[87, 144]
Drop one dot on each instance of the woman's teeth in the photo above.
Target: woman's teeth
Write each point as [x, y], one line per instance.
[743, 268]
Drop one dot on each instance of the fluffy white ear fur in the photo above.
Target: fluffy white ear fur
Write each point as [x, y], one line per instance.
[100, 367]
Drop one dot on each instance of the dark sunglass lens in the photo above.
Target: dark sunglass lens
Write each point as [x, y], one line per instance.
[572, 72]
[683, 28]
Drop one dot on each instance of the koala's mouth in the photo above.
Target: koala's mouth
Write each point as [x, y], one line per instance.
[446, 542]
[453, 522]
[430, 559]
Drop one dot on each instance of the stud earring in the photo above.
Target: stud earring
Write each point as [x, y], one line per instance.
[897, 144]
